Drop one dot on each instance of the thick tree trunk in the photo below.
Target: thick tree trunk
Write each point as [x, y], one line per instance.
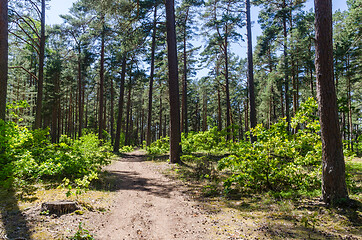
[39, 98]
[333, 168]
[120, 107]
[250, 71]
[149, 120]
[3, 56]
[175, 134]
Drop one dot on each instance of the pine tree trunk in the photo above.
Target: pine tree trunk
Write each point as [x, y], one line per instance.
[127, 139]
[334, 187]
[161, 113]
[204, 112]
[250, 71]
[120, 107]
[219, 114]
[286, 77]
[101, 85]
[112, 112]
[39, 98]
[227, 91]
[184, 123]
[80, 95]
[149, 120]
[175, 134]
[3, 56]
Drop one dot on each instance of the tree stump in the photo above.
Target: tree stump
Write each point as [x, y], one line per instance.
[59, 207]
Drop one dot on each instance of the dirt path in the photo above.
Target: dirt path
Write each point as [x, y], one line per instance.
[148, 205]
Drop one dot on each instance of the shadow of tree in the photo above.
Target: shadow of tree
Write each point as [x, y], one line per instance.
[115, 180]
[15, 224]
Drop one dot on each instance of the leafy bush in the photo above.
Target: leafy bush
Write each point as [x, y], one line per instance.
[161, 146]
[29, 156]
[279, 161]
[211, 141]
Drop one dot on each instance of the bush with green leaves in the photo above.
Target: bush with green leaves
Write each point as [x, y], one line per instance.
[279, 160]
[211, 141]
[161, 146]
[29, 156]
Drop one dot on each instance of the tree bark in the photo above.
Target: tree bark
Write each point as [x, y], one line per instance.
[149, 120]
[112, 112]
[286, 77]
[250, 71]
[128, 114]
[120, 107]
[334, 187]
[175, 134]
[184, 122]
[3, 56]
[80, 94]
[101, 85]
[39, 98]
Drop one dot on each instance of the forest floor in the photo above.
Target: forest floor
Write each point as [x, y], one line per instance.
[135, 198]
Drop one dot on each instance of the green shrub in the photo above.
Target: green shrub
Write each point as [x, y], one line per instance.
[279, 161]
[211, 141]
[29, 156]
[161, 146]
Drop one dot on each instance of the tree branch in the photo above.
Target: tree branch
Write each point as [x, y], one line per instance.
[36, 49]
[26, 70]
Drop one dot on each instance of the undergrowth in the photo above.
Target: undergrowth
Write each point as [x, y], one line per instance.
[28, 156]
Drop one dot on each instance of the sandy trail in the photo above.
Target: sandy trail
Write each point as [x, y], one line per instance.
[148, 205]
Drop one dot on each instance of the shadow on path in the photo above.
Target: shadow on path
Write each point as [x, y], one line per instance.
[117, 180]
[13, 219]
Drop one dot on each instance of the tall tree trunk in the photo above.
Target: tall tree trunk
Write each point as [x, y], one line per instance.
[39, 98]
[349, 104]
[250, 71]
[175, 134]
[334, 187]
[112, 112]
[149, 120]
[204, 112]
[80, 93]
[219, 114]
[227, 91]
[3, 56]
[286, 77]
[120, 107]
[184, 123]
[161, 113]
[101, 84]
[55, 109]
[127, 139]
